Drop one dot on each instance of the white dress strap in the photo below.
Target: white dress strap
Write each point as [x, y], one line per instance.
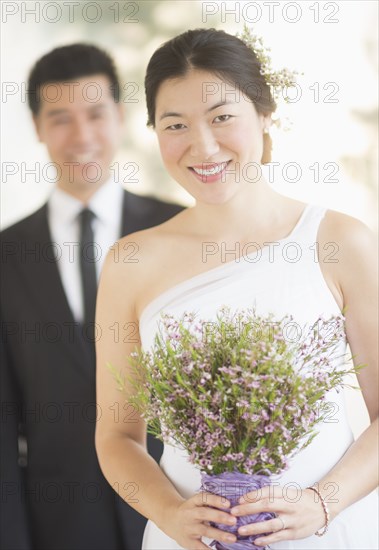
[306, 231]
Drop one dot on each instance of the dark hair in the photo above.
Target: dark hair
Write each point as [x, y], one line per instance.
[67, 63]
[214, 51]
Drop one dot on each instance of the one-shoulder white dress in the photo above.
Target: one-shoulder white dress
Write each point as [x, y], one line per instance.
[281, 278]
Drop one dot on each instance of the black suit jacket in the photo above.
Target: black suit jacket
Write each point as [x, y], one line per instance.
[60, 500]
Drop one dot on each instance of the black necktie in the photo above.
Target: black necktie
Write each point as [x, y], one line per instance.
[87, 266]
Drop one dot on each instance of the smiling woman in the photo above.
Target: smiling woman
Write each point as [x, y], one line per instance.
[236, 104]
[211, 131]
[210, 138]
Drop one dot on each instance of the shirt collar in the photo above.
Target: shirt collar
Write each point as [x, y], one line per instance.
[106, 201]
[64, 208]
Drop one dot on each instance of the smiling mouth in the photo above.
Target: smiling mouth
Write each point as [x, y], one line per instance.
[211, 170]
[83, 158]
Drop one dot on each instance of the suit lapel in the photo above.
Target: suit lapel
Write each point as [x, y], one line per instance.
[136, 213]
[128, 214]
[47, 288]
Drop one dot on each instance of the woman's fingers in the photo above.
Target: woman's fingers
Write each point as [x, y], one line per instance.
[217, 534]
[210, 514]
[267, 494]
[209, 499]
[270, 526]
[208, 508]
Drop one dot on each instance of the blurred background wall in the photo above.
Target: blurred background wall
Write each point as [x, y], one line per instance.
[329, 155]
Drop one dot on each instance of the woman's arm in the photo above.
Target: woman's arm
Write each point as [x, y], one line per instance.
[121, 432]
[353, 280]
[121, 440]
[356, 274]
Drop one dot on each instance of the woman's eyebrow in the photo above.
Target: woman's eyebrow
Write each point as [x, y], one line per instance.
[173, 114]
[219, 104]
[168, 114]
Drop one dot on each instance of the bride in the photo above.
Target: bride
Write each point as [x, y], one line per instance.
[212, 127]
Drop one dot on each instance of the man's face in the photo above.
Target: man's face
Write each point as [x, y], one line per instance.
[80, 124]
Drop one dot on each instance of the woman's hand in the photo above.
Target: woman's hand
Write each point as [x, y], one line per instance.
[189, 520]
[299, 514]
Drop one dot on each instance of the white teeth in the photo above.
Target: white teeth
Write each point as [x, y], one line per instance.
[215, 169]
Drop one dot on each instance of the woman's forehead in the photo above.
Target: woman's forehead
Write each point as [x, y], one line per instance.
[195, 85]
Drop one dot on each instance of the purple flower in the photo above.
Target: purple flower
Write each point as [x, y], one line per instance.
[232, 402]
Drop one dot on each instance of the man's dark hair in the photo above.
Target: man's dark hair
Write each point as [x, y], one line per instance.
[68, 63]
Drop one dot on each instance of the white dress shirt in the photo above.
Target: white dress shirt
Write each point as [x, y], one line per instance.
[63, 211]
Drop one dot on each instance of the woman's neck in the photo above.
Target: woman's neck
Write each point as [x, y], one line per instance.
[255, 209]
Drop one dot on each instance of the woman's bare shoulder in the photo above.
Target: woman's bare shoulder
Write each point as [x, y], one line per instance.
[152, 235]
[137, 255]
[345, 230]
[344, 243]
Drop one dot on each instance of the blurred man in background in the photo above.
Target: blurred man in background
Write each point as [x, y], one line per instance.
[51, 260]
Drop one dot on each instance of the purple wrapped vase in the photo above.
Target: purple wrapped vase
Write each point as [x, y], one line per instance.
[233, 485]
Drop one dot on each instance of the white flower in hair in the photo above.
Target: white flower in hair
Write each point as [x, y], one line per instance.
[277, 80]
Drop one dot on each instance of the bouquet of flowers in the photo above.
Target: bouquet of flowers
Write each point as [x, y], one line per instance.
[240, 394]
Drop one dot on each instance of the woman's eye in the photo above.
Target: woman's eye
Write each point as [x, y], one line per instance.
[222, 118]
[175, 127]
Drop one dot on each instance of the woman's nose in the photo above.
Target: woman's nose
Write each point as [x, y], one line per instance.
[203, 144]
